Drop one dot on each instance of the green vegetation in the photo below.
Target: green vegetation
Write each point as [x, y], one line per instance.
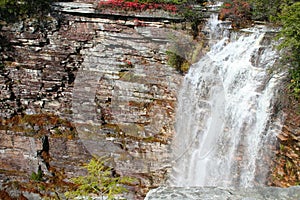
[290, 34]
[99, 181]
[37, 176]
[246, 10]
[12, 10]
[194, 17]
[178, 61]
[265, 9]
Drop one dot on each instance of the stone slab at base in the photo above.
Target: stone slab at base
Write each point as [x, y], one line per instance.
[217, 193]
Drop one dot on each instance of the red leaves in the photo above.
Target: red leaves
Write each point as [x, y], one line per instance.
[238, 11]
[227, 5]
[128, 62]
[135, 6]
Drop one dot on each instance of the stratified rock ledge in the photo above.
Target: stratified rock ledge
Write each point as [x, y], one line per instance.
[215, 193]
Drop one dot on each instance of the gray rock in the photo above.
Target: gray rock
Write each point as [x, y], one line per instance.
[74, 7]
[32, 196]
[215, 193]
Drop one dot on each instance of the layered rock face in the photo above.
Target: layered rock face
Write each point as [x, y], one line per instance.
[286, 168]
[79, 85]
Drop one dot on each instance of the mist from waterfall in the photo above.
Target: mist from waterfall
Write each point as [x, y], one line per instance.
[225, 125]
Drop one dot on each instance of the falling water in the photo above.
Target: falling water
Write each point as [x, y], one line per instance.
[225, 122]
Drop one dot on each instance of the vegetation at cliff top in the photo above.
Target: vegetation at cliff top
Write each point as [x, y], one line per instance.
[13, 10]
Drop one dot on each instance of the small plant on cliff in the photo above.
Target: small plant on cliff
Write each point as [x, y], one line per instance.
[37, 176]
[177, 61]
[99, 181]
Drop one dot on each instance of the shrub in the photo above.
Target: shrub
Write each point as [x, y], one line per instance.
[99, 181]
[290, 34]
[189, 14]
[238, 11]
[12, 10]
[136, 6]
[264, 9]
[177, 61]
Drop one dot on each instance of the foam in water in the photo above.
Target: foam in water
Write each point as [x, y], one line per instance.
[225, 105]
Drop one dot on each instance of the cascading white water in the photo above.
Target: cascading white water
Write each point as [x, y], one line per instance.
[224, 113]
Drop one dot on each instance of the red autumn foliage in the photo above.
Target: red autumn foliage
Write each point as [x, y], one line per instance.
[227, 5]
[136, 6]
[128, 62]
[238, 11]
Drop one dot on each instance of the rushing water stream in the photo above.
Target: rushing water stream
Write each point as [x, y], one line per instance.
[225, 125]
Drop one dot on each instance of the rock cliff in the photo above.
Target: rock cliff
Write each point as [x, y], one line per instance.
[286, 167]
[81, 84]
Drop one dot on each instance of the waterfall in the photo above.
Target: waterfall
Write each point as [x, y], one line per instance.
[225, 123]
